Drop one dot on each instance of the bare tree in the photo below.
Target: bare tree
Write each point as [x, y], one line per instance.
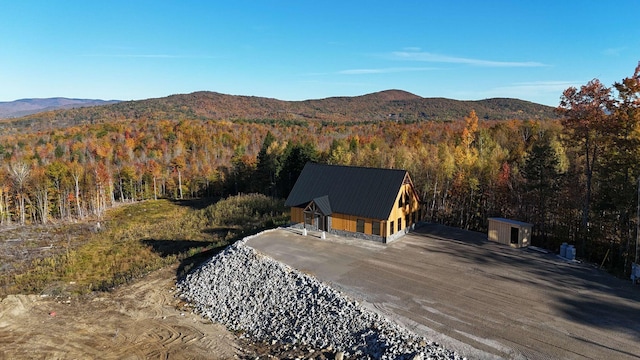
[19, 173]
[76, 171]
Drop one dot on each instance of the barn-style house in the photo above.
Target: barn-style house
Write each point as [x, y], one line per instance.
[368, 203]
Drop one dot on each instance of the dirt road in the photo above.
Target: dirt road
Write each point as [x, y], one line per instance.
[481, 299]
[137, 321]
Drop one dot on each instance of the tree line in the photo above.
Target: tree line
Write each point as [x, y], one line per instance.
[575, 179]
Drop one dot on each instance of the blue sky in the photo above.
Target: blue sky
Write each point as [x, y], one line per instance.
[297, 50]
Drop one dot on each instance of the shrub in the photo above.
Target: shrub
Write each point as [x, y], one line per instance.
[246, 210]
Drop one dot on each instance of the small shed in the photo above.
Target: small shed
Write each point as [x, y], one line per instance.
[510, 232]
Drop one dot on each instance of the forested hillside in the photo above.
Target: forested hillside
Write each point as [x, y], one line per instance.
[387, 105]
[574, 178]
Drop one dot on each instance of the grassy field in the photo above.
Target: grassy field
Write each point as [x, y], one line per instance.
[135, 239]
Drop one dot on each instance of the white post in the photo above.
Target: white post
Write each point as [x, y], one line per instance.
[323, 236]
[304, 232]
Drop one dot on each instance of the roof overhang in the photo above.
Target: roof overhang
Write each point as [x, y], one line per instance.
[320, 204]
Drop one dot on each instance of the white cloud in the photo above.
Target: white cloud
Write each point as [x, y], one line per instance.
[613, 51]
[542, 92]
[383, 70]
[439, 58]
[151, 56]
[539, 86]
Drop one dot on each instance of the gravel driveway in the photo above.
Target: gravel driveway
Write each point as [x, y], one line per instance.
[481, 299]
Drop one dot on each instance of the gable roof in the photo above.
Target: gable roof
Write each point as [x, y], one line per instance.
[323, 205]
[359, 191]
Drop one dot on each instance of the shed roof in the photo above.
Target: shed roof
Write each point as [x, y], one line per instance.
[512, 222]
[359, 191]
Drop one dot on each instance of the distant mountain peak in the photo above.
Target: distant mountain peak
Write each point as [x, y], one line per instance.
[388, 105]
[393, 95]
[23, 107]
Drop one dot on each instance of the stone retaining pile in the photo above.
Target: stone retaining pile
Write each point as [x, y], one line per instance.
[270, 301]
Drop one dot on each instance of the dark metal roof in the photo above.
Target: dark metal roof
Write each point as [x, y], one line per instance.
[359, 191]
[323, 204]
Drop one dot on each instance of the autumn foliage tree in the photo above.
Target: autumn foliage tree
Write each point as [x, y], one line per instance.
[573, 178]
[586, 119]
[601, 128]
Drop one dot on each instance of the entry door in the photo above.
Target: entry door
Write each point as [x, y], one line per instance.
[515, 235]
[321, 222]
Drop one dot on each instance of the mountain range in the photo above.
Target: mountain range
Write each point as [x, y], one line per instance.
[394, 105]
[23, 107]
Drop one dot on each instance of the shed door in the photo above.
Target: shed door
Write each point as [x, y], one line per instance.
[515, 234]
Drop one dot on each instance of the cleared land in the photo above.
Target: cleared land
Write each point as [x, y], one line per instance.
[137, 321]
[140, 320]
[481, 299]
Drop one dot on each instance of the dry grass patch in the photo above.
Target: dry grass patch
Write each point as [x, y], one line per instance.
[141, 237]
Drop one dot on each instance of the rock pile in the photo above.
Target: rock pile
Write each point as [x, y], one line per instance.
[270, 301]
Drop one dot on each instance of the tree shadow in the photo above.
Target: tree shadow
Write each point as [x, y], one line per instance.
[222, 232]
[443, 232]
[603, 314]
[191, 253]
[581, 292]
[196, 204]
[166, 248]
[194, 261]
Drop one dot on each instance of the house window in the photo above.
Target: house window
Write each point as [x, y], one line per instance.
[360, 226]
[399, 224]
[391, 227]
[375, 227]
[400, 201]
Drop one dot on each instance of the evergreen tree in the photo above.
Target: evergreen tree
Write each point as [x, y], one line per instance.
[541, 184]
[267, 167]
[297, 156]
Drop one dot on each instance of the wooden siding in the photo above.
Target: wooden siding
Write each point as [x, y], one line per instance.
[409, 208]
[297, 215]
[345, 222]
[500, 231]
[405, 207]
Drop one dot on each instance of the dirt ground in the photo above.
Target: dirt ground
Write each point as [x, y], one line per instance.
[142, 320]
